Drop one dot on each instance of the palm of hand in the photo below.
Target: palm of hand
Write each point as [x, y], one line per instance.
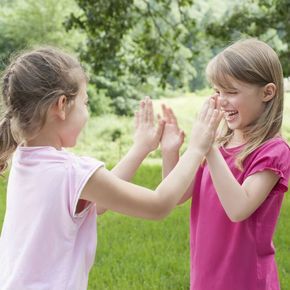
[172, 138]
[147, 135]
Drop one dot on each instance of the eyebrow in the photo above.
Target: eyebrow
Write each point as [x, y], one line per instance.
[226, 88]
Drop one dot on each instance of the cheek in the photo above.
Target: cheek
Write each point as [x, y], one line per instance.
[86, 116]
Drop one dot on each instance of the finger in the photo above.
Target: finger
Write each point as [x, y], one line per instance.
[204, 110]
[147, 109]
[164, 112]
[172, 117]
[136, 119]
[142, 112]
[182, 136]
[210, 110]
[215, 97]
[151, 112]
[160, 128]
[215, 119]
[218, 103]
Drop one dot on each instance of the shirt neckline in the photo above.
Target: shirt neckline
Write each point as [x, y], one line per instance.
[34, 148]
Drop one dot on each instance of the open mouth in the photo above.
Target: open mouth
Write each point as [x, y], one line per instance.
[231, 115]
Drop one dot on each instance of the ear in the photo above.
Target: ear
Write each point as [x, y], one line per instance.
[59, 107]
[269, 92]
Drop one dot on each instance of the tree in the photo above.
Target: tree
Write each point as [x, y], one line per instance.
[265, 19]
[130, 43]
[139, 37]
[26, 22]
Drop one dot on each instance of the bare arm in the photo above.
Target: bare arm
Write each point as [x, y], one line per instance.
[171, 141]
[239, 201]
[169, 160]
[115, 194]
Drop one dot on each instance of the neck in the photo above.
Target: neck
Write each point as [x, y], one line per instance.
[237, 139]
[44, 138]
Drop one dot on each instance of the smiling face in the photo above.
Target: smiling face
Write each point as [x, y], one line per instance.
[249, 78]
[242, 103]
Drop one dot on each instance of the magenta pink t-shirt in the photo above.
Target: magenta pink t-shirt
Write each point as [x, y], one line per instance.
[44, 244]
[237, 256]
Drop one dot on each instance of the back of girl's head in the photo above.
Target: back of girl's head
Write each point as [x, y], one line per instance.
[30, 85]
[253, 62]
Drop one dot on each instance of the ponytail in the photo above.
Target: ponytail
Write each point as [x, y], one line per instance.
[7, 142]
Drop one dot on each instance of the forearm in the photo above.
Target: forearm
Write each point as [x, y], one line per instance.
[129, 164]
[232, 195]
[175, 184]
[169, 160]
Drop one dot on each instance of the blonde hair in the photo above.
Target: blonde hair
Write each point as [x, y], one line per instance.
[32, 83]
[253, 62]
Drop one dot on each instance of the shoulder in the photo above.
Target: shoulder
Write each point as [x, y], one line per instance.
[80, 168]
[82, 162]
[273, 155]
[275, 147]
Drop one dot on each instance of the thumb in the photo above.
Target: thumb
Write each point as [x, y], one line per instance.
[182, 136]
[160, 128]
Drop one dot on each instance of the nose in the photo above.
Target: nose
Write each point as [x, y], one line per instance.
[223, 100]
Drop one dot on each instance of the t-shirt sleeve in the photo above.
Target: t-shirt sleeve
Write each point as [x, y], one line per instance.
[274, 156]
[80, 171]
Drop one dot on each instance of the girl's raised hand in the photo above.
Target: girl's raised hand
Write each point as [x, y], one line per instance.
[147, 136]
[172, 137]
[204, 130]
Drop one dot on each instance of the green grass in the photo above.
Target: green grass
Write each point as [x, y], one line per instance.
[146, 255]
[136, 254]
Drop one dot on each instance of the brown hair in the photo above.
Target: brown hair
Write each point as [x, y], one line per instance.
[32, 83]
[253, 62]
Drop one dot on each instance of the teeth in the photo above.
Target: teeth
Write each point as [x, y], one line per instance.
[230, 115]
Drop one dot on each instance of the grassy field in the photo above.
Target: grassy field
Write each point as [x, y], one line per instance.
[146, 255]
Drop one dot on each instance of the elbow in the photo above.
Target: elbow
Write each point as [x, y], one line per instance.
[160, 215]
[160, 211]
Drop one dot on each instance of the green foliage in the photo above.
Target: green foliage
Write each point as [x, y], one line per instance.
[266, 19]
[99, 103]
[129, 43]
[141, 37]
[25, 23]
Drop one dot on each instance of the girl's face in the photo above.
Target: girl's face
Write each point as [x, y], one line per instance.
[242, 103]
[76, 118]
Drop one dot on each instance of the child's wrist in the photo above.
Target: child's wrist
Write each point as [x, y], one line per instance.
[195, 152]
[140, 149]
[169, 152]
[211, 151]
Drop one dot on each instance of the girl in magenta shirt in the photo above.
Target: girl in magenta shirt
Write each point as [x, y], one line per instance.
[238, 191]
